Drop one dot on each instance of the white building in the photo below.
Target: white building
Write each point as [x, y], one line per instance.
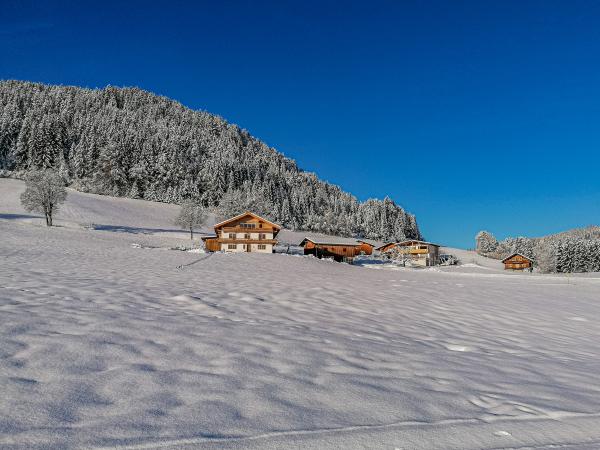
[246, 232]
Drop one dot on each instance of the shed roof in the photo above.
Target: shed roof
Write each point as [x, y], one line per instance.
[371, 242]
[518, 254]
[334, 240]
[406, 242]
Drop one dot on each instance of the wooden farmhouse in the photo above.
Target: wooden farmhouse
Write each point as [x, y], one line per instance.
[246, 232]
[339, 249]
[417, 252]
[516, 261]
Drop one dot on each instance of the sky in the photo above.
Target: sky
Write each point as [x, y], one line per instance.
[472, 115]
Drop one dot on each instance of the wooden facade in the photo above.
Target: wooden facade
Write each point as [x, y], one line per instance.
[365, 248]
[246, 232]
[417, 252]
[338, 249]
[516, 261]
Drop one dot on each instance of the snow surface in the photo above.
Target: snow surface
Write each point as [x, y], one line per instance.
[109, 339]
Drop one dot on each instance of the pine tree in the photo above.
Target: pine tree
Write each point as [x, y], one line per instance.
[485, 243]
[129, 142]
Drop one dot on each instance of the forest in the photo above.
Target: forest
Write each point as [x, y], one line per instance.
[131, 143]
[576, 250]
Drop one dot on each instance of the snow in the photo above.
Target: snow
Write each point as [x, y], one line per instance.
[105, 344]
[331, 240]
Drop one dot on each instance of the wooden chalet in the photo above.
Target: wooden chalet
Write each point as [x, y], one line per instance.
[246, 232]
[516, 261]
[339, 249]
[417, 252]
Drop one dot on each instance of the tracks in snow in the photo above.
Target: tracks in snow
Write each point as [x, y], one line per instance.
[563, 431]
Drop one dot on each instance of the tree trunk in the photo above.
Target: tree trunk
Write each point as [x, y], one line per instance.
[191, 233]
[48, 219]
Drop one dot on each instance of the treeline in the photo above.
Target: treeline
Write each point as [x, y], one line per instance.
[575, 250]
[128, 142]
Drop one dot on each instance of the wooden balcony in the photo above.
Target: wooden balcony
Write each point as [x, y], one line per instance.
[252, 238]
[247, 241]
[414, 251]
[246, 230]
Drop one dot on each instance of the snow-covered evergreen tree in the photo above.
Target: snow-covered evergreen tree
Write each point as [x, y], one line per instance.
[129, 142]
[485, 243]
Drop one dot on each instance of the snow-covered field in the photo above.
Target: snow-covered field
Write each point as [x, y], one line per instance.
[110, 340]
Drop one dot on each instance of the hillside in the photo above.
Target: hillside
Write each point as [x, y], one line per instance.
[108, 339]
[130, 143]
[576, 250]
[145, 220]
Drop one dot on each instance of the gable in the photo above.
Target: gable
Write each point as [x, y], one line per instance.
[516, 258]
[247, 218]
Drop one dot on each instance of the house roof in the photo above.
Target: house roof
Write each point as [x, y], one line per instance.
[406, 242]
[371, 242]
[518, 254]
[247, 213]
[204, 238]
[384, 245]
[334, 240]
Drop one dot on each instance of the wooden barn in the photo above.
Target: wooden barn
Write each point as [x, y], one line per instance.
[516, 261]
[246, 232]
[418, 252]
[339, 249]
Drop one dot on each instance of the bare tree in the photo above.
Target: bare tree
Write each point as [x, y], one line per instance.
[190, 216]
[45, 191]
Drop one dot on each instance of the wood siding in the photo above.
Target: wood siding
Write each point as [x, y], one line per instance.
[365, 248]
[517, 262]
[338, 252]
[247, 224]
[212, 244]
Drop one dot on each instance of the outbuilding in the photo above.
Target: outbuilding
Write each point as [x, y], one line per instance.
[516, 261]
[339, 249]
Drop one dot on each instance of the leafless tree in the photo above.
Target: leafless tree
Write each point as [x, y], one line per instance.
[190, 216]
[45, 191]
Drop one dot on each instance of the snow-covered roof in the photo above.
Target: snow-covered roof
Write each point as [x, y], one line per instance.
[209, 237]
[518, 254]
[406, 242]
[247, 213]
[330, 240]
[372, 242]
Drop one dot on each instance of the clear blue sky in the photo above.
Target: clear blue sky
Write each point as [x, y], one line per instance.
[471, 114]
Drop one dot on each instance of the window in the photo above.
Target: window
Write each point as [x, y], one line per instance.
[261, 236]
[232, 246]
[246, 236]
[247, 225]
[262, 247]
[231, 235]
[260, 225]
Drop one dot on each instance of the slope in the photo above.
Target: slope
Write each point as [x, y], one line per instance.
[130, 143]
[108, 345]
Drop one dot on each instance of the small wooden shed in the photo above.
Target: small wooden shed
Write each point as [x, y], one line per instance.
[516, 261]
